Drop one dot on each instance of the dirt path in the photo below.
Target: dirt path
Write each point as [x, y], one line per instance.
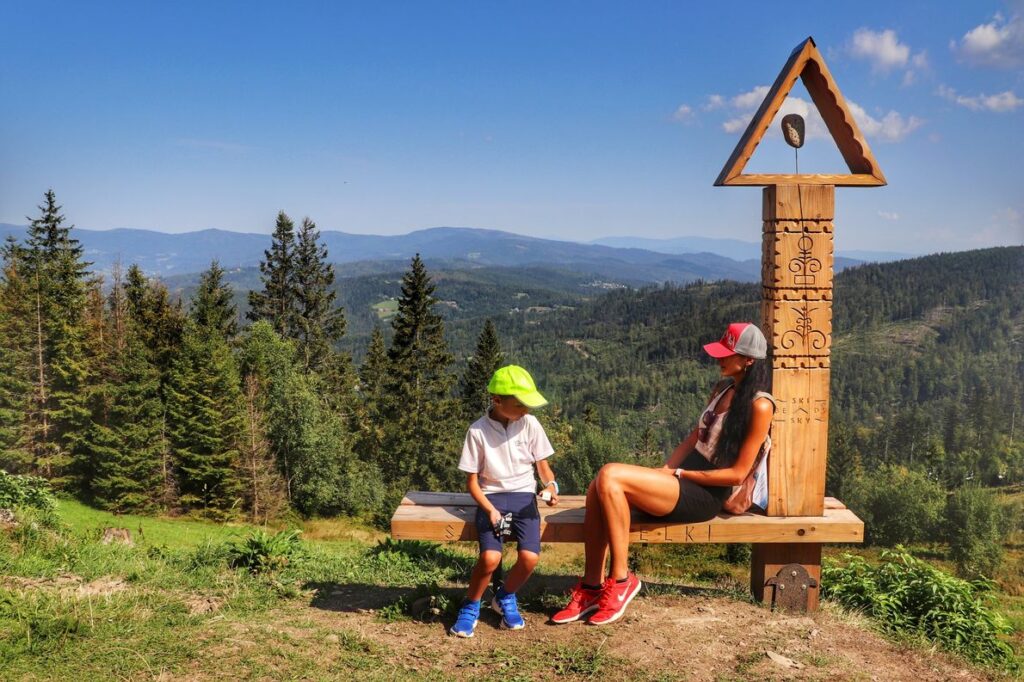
[696, 636]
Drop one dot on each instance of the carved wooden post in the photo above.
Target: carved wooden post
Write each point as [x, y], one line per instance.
[796, 305]
[797, 261]
[797, 319]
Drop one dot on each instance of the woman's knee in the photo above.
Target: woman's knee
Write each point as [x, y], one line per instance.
[609, 477]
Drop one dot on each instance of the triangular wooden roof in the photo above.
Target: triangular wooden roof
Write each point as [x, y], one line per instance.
[807, 64]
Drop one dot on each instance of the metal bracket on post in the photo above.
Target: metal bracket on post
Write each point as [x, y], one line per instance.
[792, 587]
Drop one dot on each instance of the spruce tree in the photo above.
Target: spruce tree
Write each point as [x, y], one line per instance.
[159, 324]
[136, 287]
[57, 278]
[15, 361]
[264, 487]
[127, 432]
[204, 401]
[369, 418]
[319, 323]
[213, 309]
[204, 420]
[473, 388]
[277, 302]
[420, 410]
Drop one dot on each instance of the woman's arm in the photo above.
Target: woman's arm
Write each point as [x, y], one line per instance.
[473, 485]
[760, 422]
[675, 460]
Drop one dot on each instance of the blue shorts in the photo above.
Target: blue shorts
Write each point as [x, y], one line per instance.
[525, 521]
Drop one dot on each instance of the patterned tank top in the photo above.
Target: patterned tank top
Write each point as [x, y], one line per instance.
[710, 430]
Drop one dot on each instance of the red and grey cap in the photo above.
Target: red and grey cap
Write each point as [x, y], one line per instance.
[741, 338]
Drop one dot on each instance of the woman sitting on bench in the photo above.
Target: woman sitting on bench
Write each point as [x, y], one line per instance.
[693, 485]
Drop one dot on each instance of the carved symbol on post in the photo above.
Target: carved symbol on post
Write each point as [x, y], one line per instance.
[449, 532]
[804, 266]
[689, 534]
[811, 337]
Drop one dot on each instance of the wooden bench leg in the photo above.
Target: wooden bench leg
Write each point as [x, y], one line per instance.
[767, 559]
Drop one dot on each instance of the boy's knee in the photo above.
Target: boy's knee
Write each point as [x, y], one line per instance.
[528, 559]
[490, 560]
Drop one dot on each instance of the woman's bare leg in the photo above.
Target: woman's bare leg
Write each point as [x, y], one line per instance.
[595, 538]
[622, 486]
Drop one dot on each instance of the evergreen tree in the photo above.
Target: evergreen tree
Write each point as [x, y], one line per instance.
[265, 494]
[15, 361]
[205, 420]
[420, 410]
[57, 288]
[369, 420]
[127, 433]
[488, 358]
[318, 322]
[135, 289]
[212, 307]
[277, 302]
[159, 324]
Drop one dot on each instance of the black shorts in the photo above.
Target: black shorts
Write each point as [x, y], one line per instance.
[696, 502]
[525, 522]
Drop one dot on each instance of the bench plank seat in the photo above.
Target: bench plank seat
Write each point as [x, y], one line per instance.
[448, 517]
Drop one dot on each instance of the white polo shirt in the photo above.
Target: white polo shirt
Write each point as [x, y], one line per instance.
[504, 457]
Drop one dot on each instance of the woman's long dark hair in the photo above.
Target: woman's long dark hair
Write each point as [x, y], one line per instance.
[734, 430]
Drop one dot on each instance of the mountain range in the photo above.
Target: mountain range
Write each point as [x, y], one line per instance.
[622, 259]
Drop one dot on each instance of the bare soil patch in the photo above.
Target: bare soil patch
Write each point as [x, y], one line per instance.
[695, 636]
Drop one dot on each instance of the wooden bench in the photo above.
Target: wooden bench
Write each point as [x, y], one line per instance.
[449, 517]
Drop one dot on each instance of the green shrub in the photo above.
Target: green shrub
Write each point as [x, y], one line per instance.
[898, 506]
[908, 596]
[25, 491]
[261, 552]
[975, 524]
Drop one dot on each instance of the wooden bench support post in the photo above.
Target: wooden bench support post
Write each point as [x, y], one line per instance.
[767, 559]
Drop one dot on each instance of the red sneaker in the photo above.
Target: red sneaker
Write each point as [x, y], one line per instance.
[581, 602]
[614, 600]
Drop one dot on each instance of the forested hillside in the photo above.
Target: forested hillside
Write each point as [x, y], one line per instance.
[926, 368]
[133, 400]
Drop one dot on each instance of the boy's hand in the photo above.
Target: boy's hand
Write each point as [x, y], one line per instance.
[549, 496]
[495, 517]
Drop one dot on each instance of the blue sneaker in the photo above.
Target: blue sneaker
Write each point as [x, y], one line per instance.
[506, 604]
[466, 622]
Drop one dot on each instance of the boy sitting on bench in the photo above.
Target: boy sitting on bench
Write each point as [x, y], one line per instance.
[498, 456]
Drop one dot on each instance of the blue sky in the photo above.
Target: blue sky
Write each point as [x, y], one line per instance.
[567, 120]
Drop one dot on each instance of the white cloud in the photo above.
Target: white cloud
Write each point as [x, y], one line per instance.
[999, 103]
[1010, 222]
[886, 53]
[888, 215]
[892, 127]
[684, 114]
[751, 99]
[714, 102]
[882, 48]
[998, 43]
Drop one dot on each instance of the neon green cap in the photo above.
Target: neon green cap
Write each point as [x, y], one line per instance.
[515, 381]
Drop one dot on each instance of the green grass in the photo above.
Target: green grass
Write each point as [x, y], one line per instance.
[174, 533]
[385, 309]
[147, 624]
